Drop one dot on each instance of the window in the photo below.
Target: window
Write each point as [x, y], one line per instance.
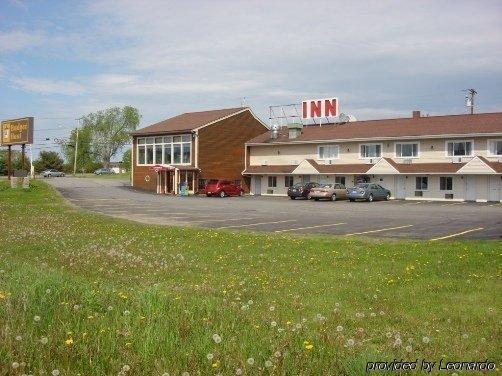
[272, 181]
[458, 148]
[421, 183]
[445, 183]
[288, 181]
[407, 150]
[495, 147]
[340, 180]
[328, 152]
[164, 150]
[371, 150]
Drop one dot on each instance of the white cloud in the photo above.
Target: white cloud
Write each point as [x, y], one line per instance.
[17, 40]
[47, 86]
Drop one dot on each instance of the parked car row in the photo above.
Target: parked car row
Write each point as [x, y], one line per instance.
[362, 191]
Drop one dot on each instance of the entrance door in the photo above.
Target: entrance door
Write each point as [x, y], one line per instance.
[400, 187]
[470, 188]
[257, 185]
[494, 188]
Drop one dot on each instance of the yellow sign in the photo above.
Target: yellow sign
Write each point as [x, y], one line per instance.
[17, 131]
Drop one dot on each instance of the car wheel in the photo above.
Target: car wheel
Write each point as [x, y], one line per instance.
[222, 194]
[387, 198]
[333, 198]
[370, 198]
[208, 195]
[316, 199]
[351, 200]
[292, 197]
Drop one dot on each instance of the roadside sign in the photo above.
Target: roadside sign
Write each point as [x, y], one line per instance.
[17, 131]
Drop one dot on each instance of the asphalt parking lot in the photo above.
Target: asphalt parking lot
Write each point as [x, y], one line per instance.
[426, 220]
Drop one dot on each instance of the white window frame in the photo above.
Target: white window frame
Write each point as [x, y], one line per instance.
[488, 153]
[458, 156]
[172, 143]
[268, 181]
[370, 143]
[407, 143]
[328, 146]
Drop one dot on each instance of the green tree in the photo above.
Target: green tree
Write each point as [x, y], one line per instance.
[126, 160]
[110, 130]
[48, 160]
[86, 159]
[15, 159]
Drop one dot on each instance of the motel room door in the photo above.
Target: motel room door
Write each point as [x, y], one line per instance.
[494, 188]
[400, 187]
[257, 185]
[470, 188]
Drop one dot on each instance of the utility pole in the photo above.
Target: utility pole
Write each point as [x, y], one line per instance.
[469, 98]
[75, 156]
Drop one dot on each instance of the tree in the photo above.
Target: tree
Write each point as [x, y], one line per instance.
[48, 160]
[110, 130]
[126, 160]
[15, 159]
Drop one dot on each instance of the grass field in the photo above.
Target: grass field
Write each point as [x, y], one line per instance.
[86, 294]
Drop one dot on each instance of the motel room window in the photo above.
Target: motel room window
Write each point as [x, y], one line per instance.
[407, 150]
[458, 148]
[421, 183]
[328, 152]
[288, 181]
[272, 181]
[445, 183]
[340, 180]
[371, 150]
[495, 147]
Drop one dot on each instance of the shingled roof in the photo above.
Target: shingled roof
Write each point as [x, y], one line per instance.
[188, 121]
[425, 126]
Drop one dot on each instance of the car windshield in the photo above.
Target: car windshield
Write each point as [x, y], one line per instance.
[362, 185]
[298, 185]
[326, 185]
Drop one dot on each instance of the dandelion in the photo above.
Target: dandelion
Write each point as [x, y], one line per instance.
[15, 365]
[19, 338]
[465, 336]
[165, 374]
[76, 307]
[268, 363]
[382, 313]
[209, 356]
[216, 338]
[69, 342]
[126, 313]
[339, 328]
[309, 346]
[238, 371]
[273, 324]
[425, 340]
[55, 372]
[398, 342]
[36, 318]
[44, 340]
[298, 326]
[185, 374]
[250, 361]
[271, 308]
[372, 314]
[126, 368]
[409, 348]
[350, 342]
[110, 308]
[250, 302]
[388, 334]
[277, 354]
[48, 291]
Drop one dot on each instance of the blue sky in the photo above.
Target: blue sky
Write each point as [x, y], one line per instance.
[62, 59]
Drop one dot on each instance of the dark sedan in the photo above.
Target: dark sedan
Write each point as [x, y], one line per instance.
[368, 192]
[301, 190]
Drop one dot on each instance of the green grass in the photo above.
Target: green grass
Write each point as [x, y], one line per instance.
[111, 293]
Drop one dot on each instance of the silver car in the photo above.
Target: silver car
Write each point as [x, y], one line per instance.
[331, 192]
[52, 173]
[368, 192]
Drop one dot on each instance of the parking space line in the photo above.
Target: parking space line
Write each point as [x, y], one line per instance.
[379, 230]
[414, 203]
[457, 234]
[257, 224]
[455, 203]
[308, 227]
[220, 220]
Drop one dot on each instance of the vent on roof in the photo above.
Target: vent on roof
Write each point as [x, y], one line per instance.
[416, 114]
[295, 130]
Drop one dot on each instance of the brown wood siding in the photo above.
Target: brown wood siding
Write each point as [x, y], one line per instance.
[140, 173]
[221, 147]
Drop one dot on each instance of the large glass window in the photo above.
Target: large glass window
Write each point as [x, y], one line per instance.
[445, 183]
[328, 152]
[459, 148]
[495, 147]
[371, 151]
[421, 183]
[164, 150]
[407, 150]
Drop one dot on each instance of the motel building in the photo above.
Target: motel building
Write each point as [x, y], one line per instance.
[455, 157]
[185, 151]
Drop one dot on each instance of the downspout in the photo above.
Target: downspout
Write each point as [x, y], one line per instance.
[133, 161]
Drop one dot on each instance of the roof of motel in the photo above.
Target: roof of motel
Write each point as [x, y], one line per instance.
[412, 127]
[189, 121]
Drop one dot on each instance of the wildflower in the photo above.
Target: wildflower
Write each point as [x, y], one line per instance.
[350, 342]
[126, 368]
[185, 374]
[55, 372]
[465, 336]
[250, 361]
[48, 291]
[382, 313]
[238, 371]
[277, 354]
[398, 342]
[250, 302]
[19, 338]
[298, 326]
[15, 365]
[126, 313]
[215, 364]
[425, 340]
[76, 307]
[69, 342]
[216, 338]
[110, 308]
[272, 308]
[309, 346]
[209, 356]
[409, 348]
[388, 334]
[44, 340]
[268, 363]
[36, 318]
[339, 328]
[273, 324]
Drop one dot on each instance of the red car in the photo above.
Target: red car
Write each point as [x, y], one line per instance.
[223, 188]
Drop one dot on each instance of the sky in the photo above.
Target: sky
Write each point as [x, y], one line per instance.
[60, 60]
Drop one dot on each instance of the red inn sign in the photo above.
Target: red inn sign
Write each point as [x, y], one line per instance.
[319, 108]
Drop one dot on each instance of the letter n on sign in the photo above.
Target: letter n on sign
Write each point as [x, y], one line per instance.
[318, 108]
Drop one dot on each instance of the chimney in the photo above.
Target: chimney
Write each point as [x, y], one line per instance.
[416, 114]
[295, 130]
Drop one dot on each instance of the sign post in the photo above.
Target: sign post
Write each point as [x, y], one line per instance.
[16, 132]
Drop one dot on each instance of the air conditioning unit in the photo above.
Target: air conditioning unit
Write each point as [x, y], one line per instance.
[270, 191]
[448, 196]
[264, 162]
[419, 193]
[456, 160]
[407, 161]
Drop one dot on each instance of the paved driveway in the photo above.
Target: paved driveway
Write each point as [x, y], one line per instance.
[395, 219]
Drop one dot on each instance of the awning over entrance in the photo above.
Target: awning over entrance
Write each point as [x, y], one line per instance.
[170, 179]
